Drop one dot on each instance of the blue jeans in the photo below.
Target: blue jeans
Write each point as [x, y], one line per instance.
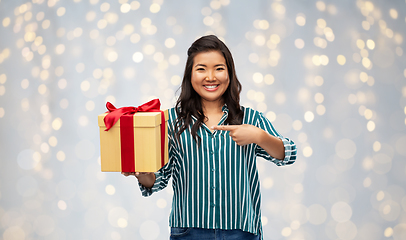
[210, 234]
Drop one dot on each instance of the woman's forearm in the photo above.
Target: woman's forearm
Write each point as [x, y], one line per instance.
[272, 145]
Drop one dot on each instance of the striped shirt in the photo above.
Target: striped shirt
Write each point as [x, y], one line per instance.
[216, 184]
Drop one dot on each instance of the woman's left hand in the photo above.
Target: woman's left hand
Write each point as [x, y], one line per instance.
[241, 134]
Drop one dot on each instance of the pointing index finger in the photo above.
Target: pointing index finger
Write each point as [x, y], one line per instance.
[224, 127]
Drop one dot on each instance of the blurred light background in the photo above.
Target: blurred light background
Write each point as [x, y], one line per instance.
[331, 75]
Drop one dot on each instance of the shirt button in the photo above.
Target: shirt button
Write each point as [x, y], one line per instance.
[211, 152]
[213, 169]
[213, 187]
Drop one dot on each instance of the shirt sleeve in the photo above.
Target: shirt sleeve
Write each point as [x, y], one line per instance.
[163, 175]
[290, 147]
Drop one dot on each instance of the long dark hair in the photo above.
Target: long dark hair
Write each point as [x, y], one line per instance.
[189, 102]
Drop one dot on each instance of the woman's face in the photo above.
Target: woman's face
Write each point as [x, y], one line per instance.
[210, 76]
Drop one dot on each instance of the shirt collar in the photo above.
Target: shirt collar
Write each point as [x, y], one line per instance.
[223, 118]
[224, 108]
[225, 115]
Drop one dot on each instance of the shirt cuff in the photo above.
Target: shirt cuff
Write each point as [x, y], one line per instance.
[290, 151]
[148, 191]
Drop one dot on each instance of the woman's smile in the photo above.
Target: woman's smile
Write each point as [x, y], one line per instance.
[212, 87]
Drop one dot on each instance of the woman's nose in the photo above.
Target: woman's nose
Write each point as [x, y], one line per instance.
[210, 76]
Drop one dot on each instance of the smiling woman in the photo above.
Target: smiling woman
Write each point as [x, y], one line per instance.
[210, 51]
[213, 146]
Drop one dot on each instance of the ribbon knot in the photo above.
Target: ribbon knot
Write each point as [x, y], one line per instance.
[115, 113]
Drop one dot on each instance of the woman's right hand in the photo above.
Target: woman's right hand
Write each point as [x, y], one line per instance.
[147, 179]
[128, 173]
[136, 174]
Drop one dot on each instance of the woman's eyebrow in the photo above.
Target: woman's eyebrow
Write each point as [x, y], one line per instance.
[202, 65]
[223, 65]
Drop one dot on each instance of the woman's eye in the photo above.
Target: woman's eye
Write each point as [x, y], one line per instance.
[200, 69]
[220, 69]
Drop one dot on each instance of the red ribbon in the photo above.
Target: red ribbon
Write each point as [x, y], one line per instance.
[125, 114]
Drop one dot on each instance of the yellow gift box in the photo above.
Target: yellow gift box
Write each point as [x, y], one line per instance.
[147, 143]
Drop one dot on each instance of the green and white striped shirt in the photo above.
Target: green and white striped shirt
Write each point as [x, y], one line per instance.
[216, 184]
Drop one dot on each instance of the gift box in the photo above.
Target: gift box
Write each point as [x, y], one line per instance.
[133, 139]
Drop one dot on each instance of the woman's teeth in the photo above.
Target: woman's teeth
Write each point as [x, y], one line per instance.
[211, 86]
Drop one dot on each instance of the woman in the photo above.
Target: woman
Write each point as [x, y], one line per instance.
[213, 145]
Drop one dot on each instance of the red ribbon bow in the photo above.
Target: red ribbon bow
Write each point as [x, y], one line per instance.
[115, 113]
[125, 114]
